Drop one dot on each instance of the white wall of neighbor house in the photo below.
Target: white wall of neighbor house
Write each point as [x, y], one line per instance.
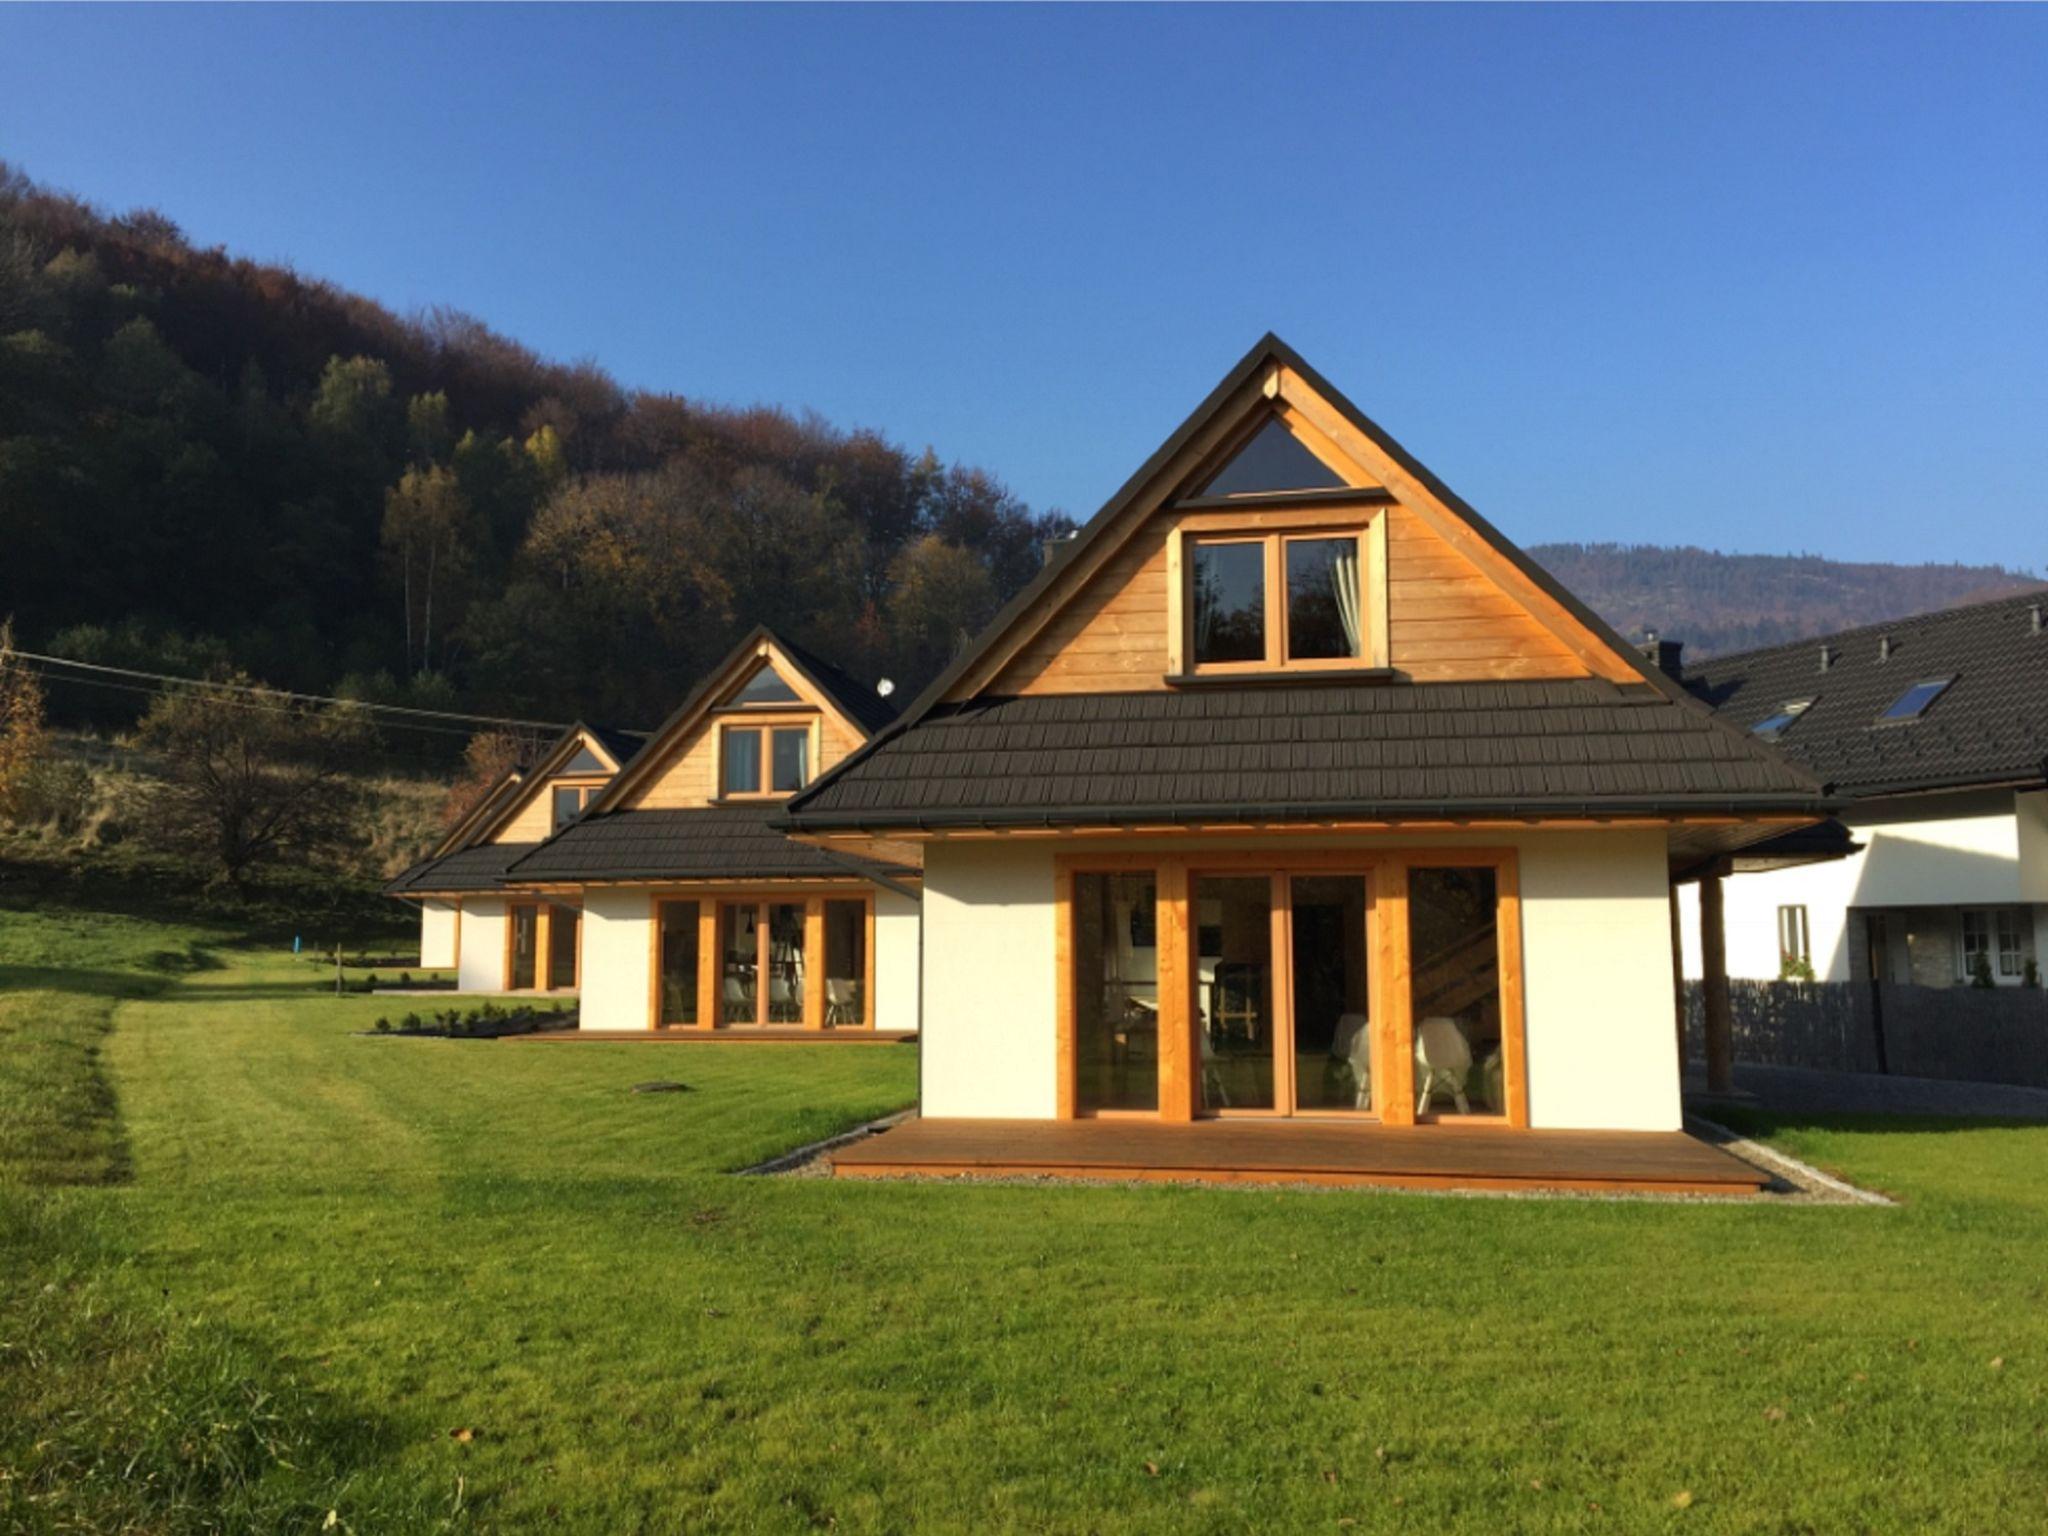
[1975, 849]
[618, 949]
[440, 921]
[483, 945]
[897, 920]
[1597, 974]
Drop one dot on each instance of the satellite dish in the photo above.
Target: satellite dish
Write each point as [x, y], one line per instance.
[884, 688]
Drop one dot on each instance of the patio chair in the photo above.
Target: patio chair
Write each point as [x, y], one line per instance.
[1352, 1043]
[842, 1000]
[739, 1000]
[1444, 1058]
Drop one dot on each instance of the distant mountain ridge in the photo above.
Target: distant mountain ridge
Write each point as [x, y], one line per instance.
[1720, 603]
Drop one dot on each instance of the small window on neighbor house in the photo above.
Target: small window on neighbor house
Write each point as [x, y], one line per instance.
[766, 687]
[1912, 704]
[1273, 460]
[1975, 952]
[1771, 728]
[787, 759]
[1795, 940]
[568, 804]
[2012, 960]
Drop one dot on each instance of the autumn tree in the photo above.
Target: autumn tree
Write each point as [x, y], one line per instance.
[940, 597]
[489, 756]
[246, 775]
[428, 541]
[23, 738]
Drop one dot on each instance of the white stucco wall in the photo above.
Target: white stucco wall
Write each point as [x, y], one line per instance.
[988, 1043]
[897, 919]
[618, 942]
[439, 923]
[1597, 967]
[483, 945]
[1939, 851]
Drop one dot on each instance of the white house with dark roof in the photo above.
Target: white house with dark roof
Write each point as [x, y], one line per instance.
[1933, 732]
[1293, 792]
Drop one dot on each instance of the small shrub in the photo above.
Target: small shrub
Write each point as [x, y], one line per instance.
[383, 1025]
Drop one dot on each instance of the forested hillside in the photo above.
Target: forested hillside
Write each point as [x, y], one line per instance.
[1719, 603]
[208, 461]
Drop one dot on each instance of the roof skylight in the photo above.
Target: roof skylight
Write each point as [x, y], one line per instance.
[1912, 704]
[1776, 725]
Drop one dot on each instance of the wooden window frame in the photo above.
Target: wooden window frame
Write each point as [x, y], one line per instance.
[585, 790]
[1274, 530]
[712, 902]
[1393, 1023]
[543, 941]
[764, 726]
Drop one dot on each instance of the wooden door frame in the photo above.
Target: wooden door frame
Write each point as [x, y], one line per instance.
[1386, 871]
[712, 902]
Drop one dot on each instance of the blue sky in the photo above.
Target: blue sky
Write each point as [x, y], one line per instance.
[1760, 279]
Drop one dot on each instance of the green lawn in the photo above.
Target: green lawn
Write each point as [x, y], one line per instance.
[482, 1285]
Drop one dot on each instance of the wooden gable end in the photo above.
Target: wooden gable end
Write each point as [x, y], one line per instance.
[681, 769]
[530, 817]
[1447, 603]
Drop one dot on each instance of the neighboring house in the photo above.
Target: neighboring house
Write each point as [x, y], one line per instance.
[1934, 730]
[1290, 787]
[469, 921]
[696, 912]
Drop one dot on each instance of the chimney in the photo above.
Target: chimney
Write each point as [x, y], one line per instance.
[1827, 657]
[1884, 647]
[1662, 654]
[2036, 611]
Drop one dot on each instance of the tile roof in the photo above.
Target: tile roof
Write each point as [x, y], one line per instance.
[1989, 726]
[709, 843]
[1304, 752]
[623, 745]
[860, 703]
[481, 868]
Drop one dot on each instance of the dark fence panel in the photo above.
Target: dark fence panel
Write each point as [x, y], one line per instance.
[1967, 1034]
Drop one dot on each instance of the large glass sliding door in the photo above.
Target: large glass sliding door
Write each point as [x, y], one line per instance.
[1116, 992]
[1454, 949]
[1283, 996]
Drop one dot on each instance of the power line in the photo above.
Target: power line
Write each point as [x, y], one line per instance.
[245, 706]
[304, 698]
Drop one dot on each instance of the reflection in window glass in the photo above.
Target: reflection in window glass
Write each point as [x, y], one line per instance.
[679, 962]
[1322, 600]
[739, 949]
[786, 963]
[562, 925]
[1116, 992]
[1912, 704]
[766, 687]
[846, 962]
[567, 803]
[525, 947]
[1229, 601]
[1333, 1065]
[742, 756]
[1274, 460]
[792, 753]
[1234, 990]
[1454, 959]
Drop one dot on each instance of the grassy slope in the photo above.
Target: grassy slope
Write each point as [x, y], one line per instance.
[501, 1238]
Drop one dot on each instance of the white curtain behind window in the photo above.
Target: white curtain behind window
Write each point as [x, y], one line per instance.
[1344, 579]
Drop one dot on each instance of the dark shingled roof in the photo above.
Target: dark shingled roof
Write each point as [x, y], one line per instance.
[623, 745]
[856, 699]
[712, 843]
[1990, 726]
[1305, 752]
[481, 868]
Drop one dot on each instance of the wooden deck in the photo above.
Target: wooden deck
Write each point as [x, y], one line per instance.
[1304, 1152]
[738, 1035]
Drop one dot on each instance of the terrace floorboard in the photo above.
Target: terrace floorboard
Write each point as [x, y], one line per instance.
[1304, 1152]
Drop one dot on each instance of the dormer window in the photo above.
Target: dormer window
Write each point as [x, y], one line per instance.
[1912, 704]
[1774, 726]
[764, 760]
[568, 801]
[1264, 601]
